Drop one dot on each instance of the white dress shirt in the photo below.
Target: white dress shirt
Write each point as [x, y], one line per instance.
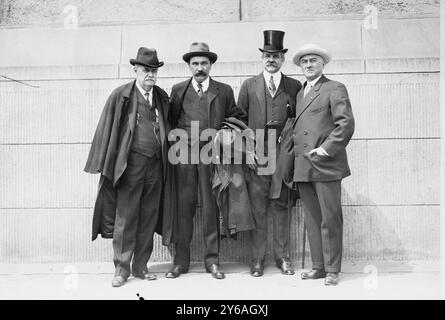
[276, 79]
[150, 98]
[205, 84]
[310, 84]
[143, 92]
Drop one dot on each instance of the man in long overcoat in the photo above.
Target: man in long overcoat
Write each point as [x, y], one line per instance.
[129, 150]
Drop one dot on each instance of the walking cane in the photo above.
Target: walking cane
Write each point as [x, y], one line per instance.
[304, 238]
[289, 211]
[304, 244]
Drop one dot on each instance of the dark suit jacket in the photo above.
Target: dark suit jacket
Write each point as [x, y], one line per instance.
[252, 99]
[323, 118]
[111, 146]
[252, 104]
[221, 102]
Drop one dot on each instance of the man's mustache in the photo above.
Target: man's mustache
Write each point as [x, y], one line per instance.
[200, 73]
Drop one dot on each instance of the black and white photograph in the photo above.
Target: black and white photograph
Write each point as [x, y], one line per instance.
[238, 152]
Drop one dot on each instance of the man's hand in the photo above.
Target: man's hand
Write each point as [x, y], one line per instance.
[251, 160]
[319, 151]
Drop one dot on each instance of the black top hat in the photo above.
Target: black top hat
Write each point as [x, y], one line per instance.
[273, 41]
[200, 49]
[148, 58]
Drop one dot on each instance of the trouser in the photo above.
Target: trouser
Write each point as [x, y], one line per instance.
[191, 179]
[324, 222]
[137, 209]
[258, 187]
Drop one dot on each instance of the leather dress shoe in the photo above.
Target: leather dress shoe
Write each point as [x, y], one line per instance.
[257, 269]
[118, 281]
[144, 275]
[313, 274]
[216, 273]
[176, 271]
[285, 266]
[331, 279]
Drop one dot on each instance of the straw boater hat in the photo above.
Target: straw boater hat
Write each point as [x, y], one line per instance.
[311, 48]
[147, 57]
[200, 49]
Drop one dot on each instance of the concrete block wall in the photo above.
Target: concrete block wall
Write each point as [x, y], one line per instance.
[391, 201]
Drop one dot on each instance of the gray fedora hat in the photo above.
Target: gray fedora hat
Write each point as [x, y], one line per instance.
[200, 49]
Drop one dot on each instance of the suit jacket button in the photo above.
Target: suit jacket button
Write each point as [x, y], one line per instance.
[305, 133]
[305, 145]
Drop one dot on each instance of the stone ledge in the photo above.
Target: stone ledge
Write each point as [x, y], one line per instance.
[220, 69]
[60, 47]
[426, 64]
[73, 72]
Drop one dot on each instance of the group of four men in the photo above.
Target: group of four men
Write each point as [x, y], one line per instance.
[140, 192]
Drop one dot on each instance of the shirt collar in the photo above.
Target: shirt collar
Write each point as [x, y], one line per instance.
[276, 77]
[205, 84]
[313, 82]
[142, 91]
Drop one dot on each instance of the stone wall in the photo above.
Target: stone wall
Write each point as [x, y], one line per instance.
[391, 201]
[100, 12]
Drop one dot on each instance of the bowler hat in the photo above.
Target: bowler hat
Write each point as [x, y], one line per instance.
[273, 41]
[200, 49]
[147, 57]
[311, 48]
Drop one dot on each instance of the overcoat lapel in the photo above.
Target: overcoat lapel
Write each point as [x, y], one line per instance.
[260, 90]
[281, 88]
[212, 93]
[161, 108]
[132, 111]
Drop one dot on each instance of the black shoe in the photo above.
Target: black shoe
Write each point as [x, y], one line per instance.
[257, 269]
[285, 266]
[216, 273]
[118, 281]
[144, 275]
[176, 271]
[331, 279]
[313, 274]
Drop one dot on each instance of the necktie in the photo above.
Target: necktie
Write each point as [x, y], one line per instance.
[272, 87]
[307, 89]
[199, 89]
[147, 97]
[150, 106]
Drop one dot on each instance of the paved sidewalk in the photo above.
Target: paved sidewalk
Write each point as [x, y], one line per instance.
[364, 280]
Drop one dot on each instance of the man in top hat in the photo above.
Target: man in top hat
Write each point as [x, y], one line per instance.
[266, 100]
[323, 126]
[129, 150]
[197, 104]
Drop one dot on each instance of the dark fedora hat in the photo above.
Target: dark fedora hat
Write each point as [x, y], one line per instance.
[147, 57]
[273, 41]
[200, 49]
